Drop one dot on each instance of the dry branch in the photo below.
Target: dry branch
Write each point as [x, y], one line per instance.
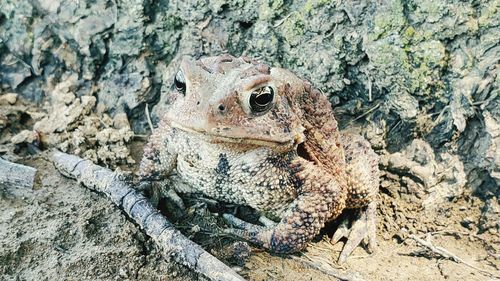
[170, 240]
[16, 175]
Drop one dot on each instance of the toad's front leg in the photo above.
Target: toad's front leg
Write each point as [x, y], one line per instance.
[158, 163]
[320, 198]
[159, 156]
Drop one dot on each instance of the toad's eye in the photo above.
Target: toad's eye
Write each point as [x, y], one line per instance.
[261, 100]
[180, 82]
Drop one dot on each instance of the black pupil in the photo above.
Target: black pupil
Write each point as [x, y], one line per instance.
[264, 99]
[261, 100]
[180, 85]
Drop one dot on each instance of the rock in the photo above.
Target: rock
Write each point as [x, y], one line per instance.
[9, 98]
[492, 155]
[120, 121]
[64, 117]
[14, 71]
[24, 136]
[441, 176]
[490, 217]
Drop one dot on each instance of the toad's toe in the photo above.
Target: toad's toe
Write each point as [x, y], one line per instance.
[257, 234]
[175, 198]
[267, 222]
[241, 226]
[363, 229]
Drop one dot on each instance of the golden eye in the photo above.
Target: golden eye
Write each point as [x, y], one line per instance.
[180, 82]
[261, 100]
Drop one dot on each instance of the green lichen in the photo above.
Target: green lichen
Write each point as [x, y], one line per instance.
[387, 57]
[409, 32]
[472, 25]
[311, 5]
[270, 9]
[431, 10]
[427, 62]
[295, 25]
[294, 29]
[388, 20]
[490, 15]
[412, 35]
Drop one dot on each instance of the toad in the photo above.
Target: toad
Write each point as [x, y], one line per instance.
[243, 132]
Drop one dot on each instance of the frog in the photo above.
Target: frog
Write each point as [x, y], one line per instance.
[243, 132]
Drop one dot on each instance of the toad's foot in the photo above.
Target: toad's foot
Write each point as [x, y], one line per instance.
[364, 228]
[245, 230]
[274, 238]
[277, 237]
[155, 191]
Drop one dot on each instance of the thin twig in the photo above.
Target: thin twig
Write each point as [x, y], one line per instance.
[366, 113]
[370, 90]
[148, 117]
[142, 137]
[394, 126]
[485, 243]
[447, 254]
[454, 232]
[280, 22]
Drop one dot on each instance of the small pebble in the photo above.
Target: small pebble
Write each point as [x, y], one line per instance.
[195, 229]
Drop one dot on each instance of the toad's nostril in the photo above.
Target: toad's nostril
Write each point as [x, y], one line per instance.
[222, 107]
[198, 103]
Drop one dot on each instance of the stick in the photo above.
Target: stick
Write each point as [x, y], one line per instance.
[171, 241]
[447, 254]
[16, 175]
[280, 22]
[148, 117]
[366, 113]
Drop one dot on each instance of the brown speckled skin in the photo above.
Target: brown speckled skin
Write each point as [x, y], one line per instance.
[291, 163]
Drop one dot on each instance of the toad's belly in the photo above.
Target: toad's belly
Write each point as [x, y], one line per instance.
[254, 178]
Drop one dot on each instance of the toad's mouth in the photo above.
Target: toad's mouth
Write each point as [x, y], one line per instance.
[218, 135]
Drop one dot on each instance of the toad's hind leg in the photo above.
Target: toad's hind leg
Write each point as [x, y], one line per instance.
[320, 197]
[363, 182]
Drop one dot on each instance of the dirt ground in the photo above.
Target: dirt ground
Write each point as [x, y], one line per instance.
[59, 230]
